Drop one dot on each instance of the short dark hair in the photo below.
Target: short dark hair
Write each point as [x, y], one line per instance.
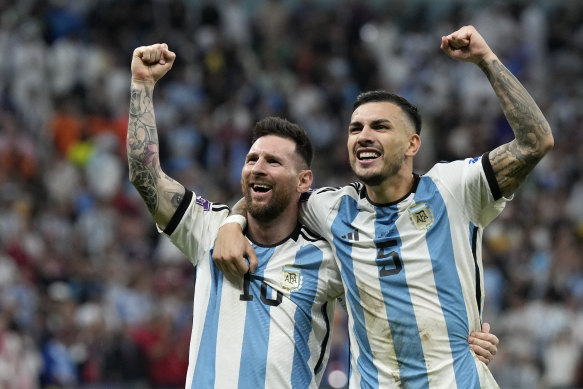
[377, 96]
[281, 127]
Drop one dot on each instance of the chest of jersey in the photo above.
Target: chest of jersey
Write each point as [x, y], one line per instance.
[403, 261]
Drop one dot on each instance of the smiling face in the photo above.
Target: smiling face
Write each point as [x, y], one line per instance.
[272, 178]
[381, 138]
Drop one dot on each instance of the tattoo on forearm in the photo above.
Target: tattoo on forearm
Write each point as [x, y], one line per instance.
[513, 161]
[142, 146]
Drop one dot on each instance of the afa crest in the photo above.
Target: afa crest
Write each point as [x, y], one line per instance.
[291, 278]
[421, 216]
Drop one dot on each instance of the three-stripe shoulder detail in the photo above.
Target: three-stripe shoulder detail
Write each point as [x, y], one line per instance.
[357, 186]
[309, 235]
[218, 207]
[327, 189]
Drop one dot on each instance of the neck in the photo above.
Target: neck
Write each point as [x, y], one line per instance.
[268, 233]
[392, 189]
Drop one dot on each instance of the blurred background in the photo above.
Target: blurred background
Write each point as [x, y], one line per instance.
[91, 296]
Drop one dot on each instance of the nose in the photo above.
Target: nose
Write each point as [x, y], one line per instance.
[259, 166]
[365, 135]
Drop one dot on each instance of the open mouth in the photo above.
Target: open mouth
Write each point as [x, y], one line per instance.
[260, 188]
[367, 155]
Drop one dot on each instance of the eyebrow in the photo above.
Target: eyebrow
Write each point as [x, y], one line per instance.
[266, 155]
[373, 123]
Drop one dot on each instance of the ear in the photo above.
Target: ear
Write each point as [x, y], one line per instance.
[305, 179]
[414, 144]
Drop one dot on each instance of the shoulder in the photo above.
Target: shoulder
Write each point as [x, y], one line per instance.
[195, 208]
[305, 237]
[209, 206]
[470, 162]
[199, 204]
[460, 170]
[354, 189]
[308, 235]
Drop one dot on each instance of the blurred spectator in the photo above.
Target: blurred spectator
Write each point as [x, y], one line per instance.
[20, 361]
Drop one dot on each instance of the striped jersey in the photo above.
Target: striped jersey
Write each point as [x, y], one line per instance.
[412, 272]
[270, 329]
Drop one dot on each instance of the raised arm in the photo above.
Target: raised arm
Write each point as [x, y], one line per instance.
[513, 161]
[161, 193]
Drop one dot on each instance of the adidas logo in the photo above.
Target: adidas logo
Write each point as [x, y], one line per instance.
[351, 236]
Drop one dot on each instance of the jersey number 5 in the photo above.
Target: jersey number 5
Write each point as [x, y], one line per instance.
[389, 261]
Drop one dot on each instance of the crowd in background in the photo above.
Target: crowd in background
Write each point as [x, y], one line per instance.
[91, 296]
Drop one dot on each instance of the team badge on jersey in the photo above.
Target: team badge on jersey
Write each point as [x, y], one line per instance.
[291, 278]
[421, 216]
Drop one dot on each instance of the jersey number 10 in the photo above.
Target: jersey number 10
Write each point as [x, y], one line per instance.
[246, 296]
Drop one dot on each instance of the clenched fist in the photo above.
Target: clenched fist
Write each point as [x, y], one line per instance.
[151, 63]
[467, 45]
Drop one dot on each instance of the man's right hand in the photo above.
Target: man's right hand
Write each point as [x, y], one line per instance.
[151, 63]
[467, 45]
[232, 251]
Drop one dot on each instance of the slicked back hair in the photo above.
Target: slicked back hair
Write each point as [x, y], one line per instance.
[379, 96]
[281, 127]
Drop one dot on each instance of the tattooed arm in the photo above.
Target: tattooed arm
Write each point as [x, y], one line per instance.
[161, 193]
[513, 161]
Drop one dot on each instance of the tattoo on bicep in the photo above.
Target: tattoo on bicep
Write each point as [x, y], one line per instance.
[511, 166]
[177, 199]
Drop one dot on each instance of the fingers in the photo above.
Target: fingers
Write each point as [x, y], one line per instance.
[482, 350]
[484, 344]
[486, 361]
[235, 269]
[232, 253]
[231, 266]
[456, 40]
[238, 266]
[488, 342]
[157, 53]
[466, 45]
[252, 258]
[455, 44]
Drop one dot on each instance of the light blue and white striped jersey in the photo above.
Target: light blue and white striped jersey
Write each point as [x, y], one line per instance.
[270, 329]
[413, 275]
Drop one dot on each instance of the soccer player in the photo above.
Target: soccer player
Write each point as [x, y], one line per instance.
[272, 328]
[409, 246]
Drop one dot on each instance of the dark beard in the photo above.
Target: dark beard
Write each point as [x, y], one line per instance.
[379, 178]
[374, 180]
[267, 212]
